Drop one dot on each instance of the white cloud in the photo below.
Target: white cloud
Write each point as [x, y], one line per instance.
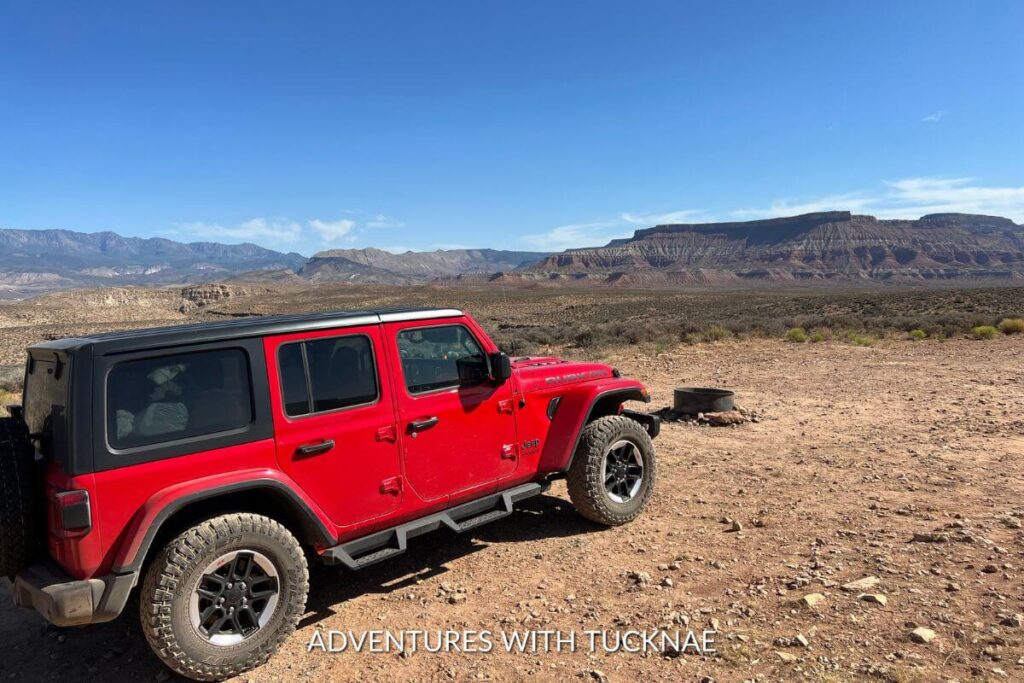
[853, 201]
[908, 198]
[275, 230]
[914, 197]
[905, 198]
[577, 235]
[382, 221]
[934, 117]
[600, 232]
[685, 216]
[332, 231]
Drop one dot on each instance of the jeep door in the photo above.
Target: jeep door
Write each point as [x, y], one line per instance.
[458, 425]
[334, 420]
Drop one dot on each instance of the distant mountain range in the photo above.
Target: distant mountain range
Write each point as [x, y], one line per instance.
[37, 261]
[813, 247]
[376, 265]
[33, 261]
[817, 247]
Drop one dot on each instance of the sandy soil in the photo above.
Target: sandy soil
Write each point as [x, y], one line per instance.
[858, 450]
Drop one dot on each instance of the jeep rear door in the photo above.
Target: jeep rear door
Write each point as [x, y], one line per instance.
[458, 425]
[334, 420]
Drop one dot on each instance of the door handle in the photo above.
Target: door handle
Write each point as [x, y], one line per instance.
[425, 423]
[314, 448]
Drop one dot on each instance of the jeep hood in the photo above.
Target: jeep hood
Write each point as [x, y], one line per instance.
[546, 372]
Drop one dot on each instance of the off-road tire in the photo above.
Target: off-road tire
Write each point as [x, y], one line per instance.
[177, 568]
[20, 501]
[586, 485]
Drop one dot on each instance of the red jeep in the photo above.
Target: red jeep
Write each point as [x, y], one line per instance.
[206, 462]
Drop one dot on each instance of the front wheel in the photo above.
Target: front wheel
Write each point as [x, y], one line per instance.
[220, 598]
[613, 471]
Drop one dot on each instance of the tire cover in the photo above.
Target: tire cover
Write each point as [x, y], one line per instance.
[20, 530]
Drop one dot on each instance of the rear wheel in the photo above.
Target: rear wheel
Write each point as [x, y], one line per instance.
[613, 471]
[20, 501]
[221, 597]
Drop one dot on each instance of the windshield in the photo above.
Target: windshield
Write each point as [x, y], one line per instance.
[46, 391]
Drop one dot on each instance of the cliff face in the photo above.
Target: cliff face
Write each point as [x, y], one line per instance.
[813, 246]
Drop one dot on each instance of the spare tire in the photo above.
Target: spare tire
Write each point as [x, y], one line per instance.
[20, 532]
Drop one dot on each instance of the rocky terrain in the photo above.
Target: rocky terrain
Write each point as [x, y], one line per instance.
[868, 527]
[817, 248]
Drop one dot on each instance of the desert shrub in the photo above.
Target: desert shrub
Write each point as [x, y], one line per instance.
[583, 322]
[716, 333]
[797, 335]
[1011, 325]
[984, 332]
[772, 328]
[584, 338]
[917, 335]
[860, 339]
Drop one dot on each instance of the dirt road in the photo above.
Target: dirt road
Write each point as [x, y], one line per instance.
[859, 449]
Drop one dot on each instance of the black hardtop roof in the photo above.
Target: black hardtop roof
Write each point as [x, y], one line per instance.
[238, 328]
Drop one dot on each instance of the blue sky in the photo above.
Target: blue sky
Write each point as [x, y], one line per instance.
[519, 125]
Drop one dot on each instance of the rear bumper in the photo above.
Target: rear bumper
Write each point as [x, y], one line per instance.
[64, 601]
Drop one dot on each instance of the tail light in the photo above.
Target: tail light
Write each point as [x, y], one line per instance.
[73, 514]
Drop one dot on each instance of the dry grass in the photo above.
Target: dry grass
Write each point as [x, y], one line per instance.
[6, 399]
[1012, 326]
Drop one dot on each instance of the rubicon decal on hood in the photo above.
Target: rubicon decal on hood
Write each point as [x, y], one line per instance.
[576, 376]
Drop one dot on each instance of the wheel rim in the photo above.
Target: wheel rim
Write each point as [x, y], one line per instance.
[235, 597]
[622, 471]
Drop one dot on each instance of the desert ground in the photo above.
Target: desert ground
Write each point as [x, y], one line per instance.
[901, 462]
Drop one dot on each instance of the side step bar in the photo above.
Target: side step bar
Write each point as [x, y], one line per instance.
[379, 546]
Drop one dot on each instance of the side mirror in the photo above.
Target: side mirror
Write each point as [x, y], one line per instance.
[501, 367]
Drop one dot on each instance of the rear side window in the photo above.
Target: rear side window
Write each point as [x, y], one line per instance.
[158, 400]
[323, 375]
[46, 403]
[440, 357]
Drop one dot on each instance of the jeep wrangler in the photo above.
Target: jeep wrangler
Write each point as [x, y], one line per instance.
[201, 465]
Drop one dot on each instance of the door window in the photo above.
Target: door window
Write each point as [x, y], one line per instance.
[440, 357]
[323, 375]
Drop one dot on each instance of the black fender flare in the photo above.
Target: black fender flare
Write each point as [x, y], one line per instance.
[313, 523]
